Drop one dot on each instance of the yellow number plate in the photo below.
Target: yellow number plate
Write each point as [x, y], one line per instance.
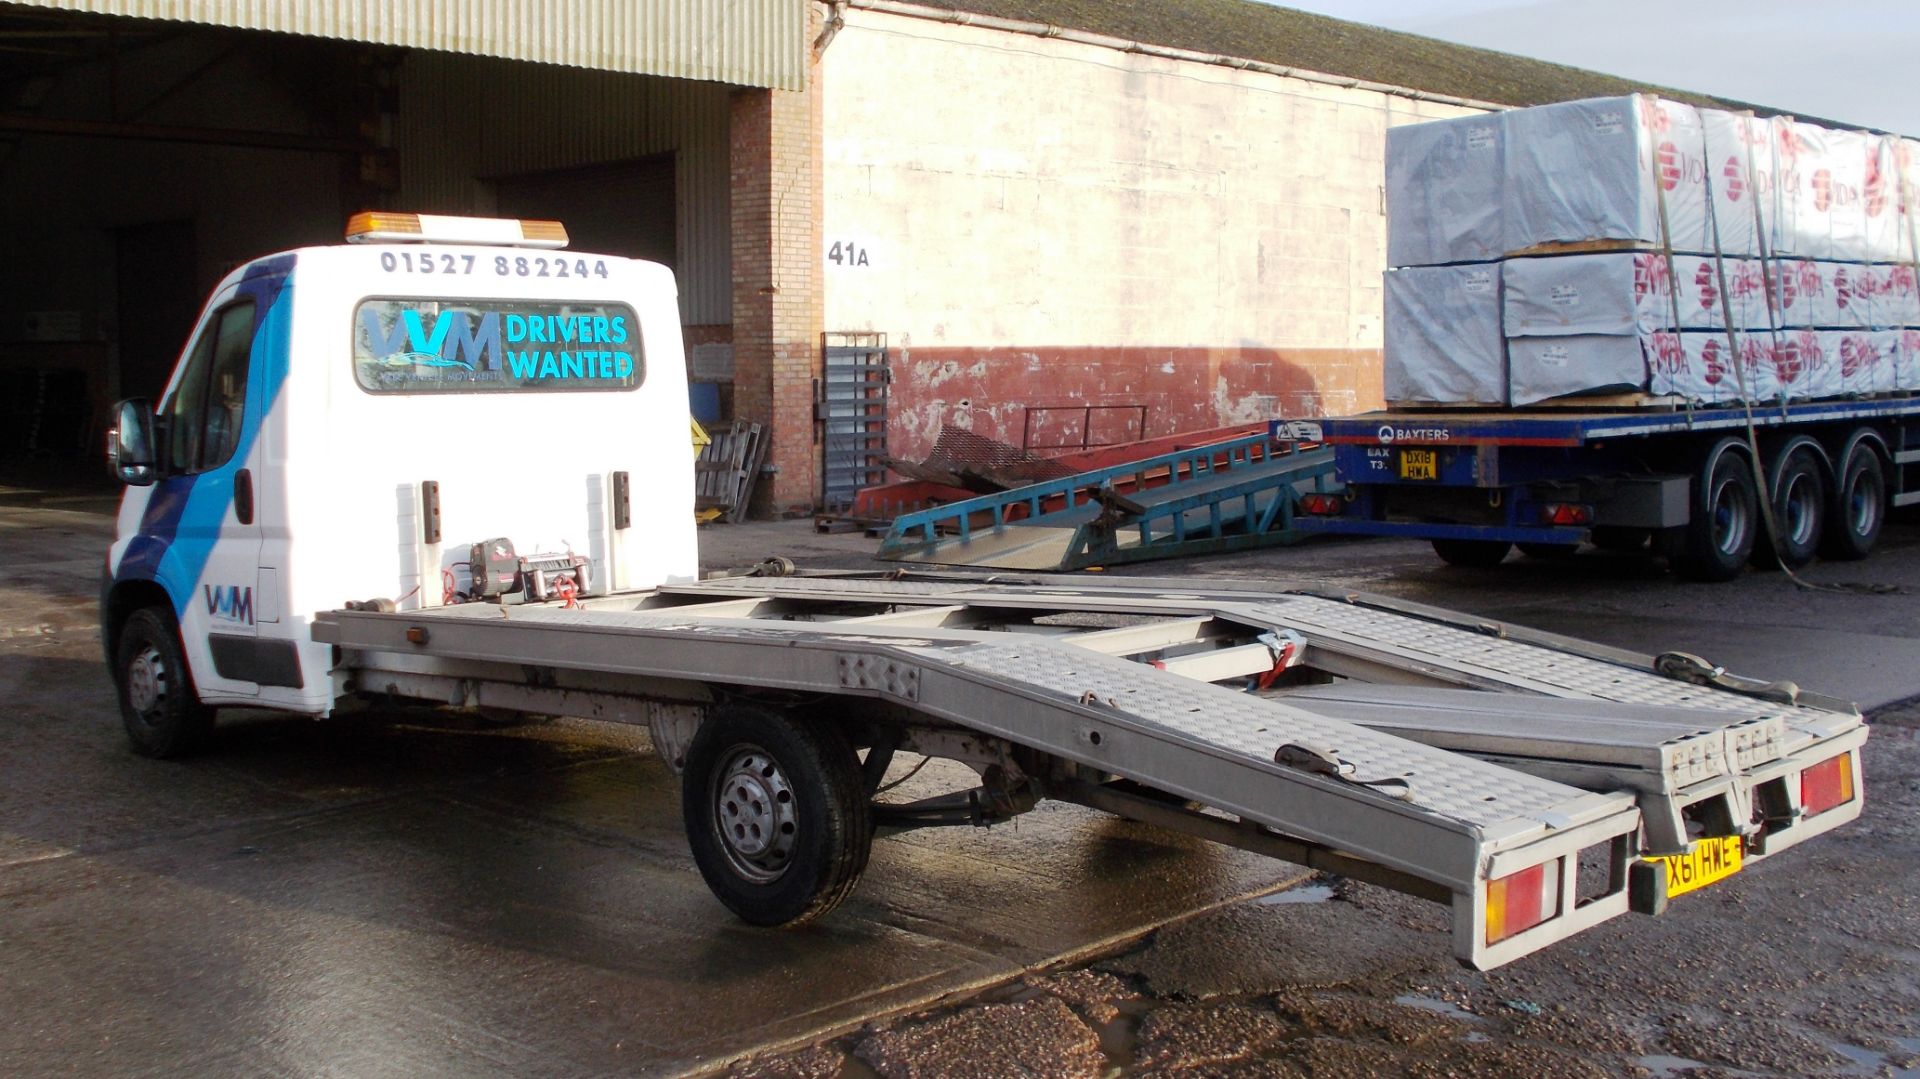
[1419, 464]
[1711, 860]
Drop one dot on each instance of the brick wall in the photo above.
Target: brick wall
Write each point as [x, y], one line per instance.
[775, 179]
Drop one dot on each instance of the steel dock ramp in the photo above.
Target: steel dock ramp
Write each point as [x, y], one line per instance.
[1226, 496]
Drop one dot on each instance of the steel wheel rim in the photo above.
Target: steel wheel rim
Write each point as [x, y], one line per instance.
[1863, 504]
[1730, 513]
[147, 682]
[1801, 508]
[754, 815]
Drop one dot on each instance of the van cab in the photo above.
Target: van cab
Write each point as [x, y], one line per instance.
[362, 423]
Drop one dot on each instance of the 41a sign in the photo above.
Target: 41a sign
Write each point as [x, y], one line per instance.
[850, 254]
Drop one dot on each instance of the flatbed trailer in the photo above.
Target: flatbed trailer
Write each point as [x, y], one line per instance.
[1683, 482]
[1529, 782]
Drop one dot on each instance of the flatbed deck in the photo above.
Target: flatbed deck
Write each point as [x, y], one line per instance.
[1570, 426]
[1145, 685]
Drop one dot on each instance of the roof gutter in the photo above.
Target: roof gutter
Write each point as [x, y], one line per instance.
[1082, 37]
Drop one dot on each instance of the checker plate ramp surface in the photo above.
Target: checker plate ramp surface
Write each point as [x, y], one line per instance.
[1250, 727]
[1525, 666]
[1517, 663]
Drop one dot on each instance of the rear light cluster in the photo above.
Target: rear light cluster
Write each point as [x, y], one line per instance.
[1520, 901]
[1566, 513]
[1322, 505]
[1827, 784]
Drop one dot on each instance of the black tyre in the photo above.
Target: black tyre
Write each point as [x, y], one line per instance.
[1725, 521]
[1619, 539]
[1799, 510]
[1549, 552]
[1857, 508]
[162, 712]
[1473, 554]
[776, 814]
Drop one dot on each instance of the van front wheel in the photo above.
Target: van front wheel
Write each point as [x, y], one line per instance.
[158, 705]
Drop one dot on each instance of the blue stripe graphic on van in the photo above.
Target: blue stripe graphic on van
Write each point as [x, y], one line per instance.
[183, 514]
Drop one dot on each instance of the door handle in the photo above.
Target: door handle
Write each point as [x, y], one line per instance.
[243, 495]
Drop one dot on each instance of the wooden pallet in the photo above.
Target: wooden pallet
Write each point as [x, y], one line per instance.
[1582, 247]
[726, 469]
[1633, 400]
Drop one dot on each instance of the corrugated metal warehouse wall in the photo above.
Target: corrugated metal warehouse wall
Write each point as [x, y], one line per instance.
[463, 120]
[745, 42]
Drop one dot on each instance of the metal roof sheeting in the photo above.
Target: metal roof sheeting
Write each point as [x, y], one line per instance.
[743, 42]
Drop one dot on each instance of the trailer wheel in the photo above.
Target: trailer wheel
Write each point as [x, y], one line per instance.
[1799, 509]
[776, 814]
[1719, 537]
[1472, 554]
[1858, 507]
[158, 705]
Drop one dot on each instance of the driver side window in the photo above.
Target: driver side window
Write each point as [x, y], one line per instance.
[204, 413]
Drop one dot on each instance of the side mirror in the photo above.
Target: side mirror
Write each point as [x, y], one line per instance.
[130, 445]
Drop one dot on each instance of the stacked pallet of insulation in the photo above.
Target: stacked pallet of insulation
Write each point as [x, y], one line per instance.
[1638, 246]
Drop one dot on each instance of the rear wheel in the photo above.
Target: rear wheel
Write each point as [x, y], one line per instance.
[162, 713]
[1718, 539]
[1858, 506]
[1473, 554]
[776, 814]
[1799, 509]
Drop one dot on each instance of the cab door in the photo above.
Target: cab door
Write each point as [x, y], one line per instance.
[209, 499]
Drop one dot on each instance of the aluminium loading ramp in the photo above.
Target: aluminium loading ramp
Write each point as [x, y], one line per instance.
[995, 658]
[1226, 496]
[1539, 692]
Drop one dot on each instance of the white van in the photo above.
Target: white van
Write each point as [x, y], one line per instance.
[359, 423]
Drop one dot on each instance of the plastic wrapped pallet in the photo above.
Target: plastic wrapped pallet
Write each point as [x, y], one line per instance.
[1605, 169]
[1896, 293]
[1886, 237]
[1699, 365]
[1541, 368]
[1443, 191]
[1630, 291]
[1867, 360]
[1740, 170]
[1906, 359]
[1807, 294]
[1443, 342]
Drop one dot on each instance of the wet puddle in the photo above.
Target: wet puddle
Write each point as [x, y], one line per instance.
[1305, 893]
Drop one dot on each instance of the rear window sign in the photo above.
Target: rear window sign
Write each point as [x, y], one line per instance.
[482, 346]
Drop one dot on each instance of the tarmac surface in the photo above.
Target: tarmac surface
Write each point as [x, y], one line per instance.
[410, 893]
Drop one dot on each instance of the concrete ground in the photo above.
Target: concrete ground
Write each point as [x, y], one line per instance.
[406, 894]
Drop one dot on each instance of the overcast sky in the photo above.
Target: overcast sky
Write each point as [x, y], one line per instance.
[1855, 61]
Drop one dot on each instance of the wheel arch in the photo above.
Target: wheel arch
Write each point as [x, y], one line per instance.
[1872, 437]
[1792, 444]
[118, 602]
[1728, 444]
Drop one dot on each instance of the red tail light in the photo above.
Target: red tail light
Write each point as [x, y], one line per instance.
[1827, 784]
[1522, 900]
[1322, 505]
[1566, 513]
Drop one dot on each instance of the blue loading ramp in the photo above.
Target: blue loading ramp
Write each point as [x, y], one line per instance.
[1228, 496]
